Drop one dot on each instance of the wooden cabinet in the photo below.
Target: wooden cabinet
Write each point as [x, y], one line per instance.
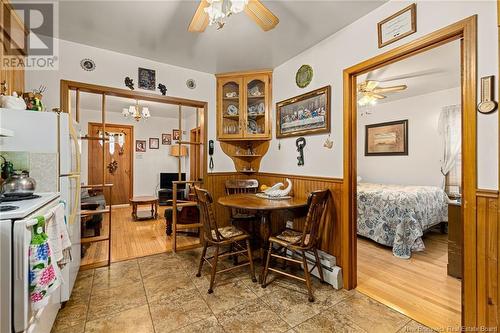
[244, 106]
[455, 239]
[11, 79]
[244, 117]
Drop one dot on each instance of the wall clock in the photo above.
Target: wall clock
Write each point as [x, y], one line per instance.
[304, 76]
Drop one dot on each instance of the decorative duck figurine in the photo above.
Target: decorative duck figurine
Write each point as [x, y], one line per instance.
[276, 191]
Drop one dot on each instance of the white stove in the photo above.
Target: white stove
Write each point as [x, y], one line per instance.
[15, 237]
[26, 207]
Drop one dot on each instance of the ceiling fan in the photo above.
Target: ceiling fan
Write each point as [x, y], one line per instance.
[371, 92]
[210, 12]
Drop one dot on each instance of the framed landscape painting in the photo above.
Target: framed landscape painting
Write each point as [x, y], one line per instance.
[389, 138]
[308, 113]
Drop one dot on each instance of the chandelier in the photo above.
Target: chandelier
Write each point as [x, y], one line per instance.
[219, 10]
[137, 112]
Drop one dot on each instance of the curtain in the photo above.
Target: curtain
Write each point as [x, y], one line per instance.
[450, 128]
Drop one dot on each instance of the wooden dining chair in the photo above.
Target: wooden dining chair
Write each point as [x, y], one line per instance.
[300, 242]
[220, 237]
[241, 186]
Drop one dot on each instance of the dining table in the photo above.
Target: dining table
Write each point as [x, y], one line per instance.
[263, 207]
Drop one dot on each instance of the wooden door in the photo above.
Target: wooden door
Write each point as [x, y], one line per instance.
[118, 166]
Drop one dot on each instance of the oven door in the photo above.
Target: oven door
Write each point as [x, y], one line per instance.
[24, 319]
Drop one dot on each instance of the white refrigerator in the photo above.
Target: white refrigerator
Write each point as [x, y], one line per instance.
[50, 133]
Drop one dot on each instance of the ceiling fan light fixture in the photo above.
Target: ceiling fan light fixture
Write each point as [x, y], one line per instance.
[237, 6]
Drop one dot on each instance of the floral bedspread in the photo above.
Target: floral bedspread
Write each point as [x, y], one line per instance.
[397, 215]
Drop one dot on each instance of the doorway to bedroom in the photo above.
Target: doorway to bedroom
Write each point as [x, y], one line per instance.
[408, 113]
[409, 185]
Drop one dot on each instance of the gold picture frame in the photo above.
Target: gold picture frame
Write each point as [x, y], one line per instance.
[397, 26]
[308, 113]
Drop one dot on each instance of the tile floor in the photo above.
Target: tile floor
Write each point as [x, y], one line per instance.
[161, 294]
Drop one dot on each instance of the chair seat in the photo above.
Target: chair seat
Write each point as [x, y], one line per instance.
[292, 236]
[228, 232]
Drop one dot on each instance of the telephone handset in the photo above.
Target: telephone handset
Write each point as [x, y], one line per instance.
[211, 152]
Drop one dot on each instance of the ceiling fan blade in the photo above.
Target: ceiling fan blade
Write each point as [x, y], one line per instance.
[390, 89]
[261, 15]
[378, 96]
[200, 19]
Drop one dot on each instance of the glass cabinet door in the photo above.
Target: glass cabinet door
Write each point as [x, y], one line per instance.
[230, 102]
[256, 121]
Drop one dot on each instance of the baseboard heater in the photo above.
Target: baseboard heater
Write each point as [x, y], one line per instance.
[331, 272]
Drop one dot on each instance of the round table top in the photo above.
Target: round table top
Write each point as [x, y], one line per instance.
[144, 199]
[253, 202]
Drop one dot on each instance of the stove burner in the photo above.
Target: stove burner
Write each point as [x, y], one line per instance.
[18, 198]
[7, 208]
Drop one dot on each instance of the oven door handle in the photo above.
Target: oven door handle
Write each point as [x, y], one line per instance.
[21, 242]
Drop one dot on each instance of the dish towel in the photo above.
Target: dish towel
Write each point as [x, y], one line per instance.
[59, 241]
[43, 275]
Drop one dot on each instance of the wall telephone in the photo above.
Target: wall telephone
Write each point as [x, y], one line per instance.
[211, 152]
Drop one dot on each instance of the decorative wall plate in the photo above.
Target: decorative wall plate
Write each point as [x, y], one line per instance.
[191, 84]
[304, 76]
[87, 64]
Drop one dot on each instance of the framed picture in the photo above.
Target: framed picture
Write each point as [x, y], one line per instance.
[397, 26]
[389, 138]
[308, 113]
[166, 139]
[147, 79]
[140, 146]
[154, 143]
[176, 134]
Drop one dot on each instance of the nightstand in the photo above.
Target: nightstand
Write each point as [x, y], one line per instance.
[455, 239]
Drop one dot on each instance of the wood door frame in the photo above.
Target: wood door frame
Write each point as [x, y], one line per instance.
[132, 150]
[466, 31]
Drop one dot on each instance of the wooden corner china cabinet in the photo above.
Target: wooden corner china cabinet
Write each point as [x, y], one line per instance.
[243, 117]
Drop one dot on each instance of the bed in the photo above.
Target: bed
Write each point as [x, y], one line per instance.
[398, 215]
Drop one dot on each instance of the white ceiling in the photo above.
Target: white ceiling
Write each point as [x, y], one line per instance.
[116, 104]
[157, 30]
[433, 70]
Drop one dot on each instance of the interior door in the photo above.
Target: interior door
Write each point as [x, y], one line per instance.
[118, 165]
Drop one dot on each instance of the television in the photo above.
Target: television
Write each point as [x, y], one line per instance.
[166, 179]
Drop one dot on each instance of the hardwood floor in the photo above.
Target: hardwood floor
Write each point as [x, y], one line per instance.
[419, 287]
[133, 239]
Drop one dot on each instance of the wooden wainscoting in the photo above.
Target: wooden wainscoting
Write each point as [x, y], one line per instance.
[302, 186]
[488, 237]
